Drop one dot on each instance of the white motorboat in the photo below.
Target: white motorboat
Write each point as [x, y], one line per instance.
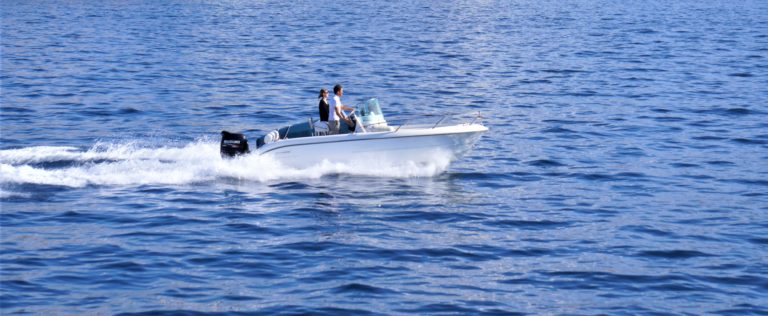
[369, 139]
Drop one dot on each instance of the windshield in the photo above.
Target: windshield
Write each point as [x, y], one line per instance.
[370, 107]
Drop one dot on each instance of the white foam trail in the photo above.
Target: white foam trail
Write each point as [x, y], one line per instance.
[38, 154]
[11, 194]
[131, 164]
[100, 151]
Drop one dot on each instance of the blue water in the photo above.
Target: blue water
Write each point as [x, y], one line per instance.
[625, 170]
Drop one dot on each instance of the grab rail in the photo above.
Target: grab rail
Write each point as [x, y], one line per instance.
[358, 122]
[401, 125]
[438, 122]
[477, 116]
[288, 130]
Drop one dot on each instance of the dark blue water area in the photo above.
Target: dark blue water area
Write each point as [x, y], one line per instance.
[625, 169]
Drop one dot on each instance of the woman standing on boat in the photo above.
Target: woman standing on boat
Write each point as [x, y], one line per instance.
[323, 106]
[336, 108]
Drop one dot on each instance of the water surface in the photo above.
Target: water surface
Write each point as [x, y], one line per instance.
[624, 170]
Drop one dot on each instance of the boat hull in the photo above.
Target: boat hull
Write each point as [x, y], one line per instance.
[416, 145]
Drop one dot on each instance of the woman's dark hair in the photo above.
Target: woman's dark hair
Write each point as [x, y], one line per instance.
[336, 88]
[323, 90]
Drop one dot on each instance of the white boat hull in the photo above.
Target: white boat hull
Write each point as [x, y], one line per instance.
[406, 145]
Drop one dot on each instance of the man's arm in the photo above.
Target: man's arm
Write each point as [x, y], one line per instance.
[339, 113]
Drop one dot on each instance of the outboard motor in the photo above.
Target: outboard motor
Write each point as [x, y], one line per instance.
[233, 144]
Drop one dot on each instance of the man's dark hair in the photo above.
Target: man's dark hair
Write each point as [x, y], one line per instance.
[336, 88]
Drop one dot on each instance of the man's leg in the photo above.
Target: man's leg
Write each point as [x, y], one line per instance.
[333, 127]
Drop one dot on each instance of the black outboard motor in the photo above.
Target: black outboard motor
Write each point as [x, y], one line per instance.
[233, 144]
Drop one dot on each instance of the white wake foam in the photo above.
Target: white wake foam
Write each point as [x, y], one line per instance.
[197, 162]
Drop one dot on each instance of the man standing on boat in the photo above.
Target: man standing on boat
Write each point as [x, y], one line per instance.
[336, 108]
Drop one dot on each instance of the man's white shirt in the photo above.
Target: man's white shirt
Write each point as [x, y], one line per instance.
[336, 101]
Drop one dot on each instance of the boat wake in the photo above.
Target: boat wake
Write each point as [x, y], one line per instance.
[132, 163]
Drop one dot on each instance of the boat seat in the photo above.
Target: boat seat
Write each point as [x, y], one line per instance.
[321, 128]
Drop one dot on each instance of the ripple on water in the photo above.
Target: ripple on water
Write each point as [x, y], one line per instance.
[625, 162]
[673, 254]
